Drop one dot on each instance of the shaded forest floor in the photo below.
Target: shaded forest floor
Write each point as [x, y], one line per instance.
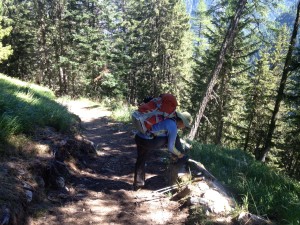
[101, 191]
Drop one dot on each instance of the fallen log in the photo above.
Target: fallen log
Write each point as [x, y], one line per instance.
[204, 190]
[199, 166]
[217, 185]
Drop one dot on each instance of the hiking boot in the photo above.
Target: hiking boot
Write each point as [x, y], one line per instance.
[137, 187]
[181, 171]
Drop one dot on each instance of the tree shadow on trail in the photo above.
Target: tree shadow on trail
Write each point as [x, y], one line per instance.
[109, 176]
[101, 184]
[117, 156]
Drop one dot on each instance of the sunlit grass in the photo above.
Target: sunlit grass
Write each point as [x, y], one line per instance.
[121, 111]
[258, 188]
[25, 106]
[122, 114]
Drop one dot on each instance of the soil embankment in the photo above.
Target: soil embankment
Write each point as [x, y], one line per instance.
[101, 191]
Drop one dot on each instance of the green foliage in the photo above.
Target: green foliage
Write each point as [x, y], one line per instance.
[121, 111]
[8, 126]
[240, 107]
[289, 153]
[260, 96]
[19, 16]
[133, 49]
[5, 51]
[61, 44]
[25, 106]
[122, 114]
[225, 107]
[156, 48]
[265, 191]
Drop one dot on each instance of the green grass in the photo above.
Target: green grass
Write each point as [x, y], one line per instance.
[121, 111]
[25, 106]
[257, 187]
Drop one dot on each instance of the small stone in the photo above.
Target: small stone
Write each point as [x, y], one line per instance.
[5, 216]
[203, 186]
[40, 181]
[60, 181]
[29, 195]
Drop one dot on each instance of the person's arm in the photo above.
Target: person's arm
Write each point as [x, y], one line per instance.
[172, 135]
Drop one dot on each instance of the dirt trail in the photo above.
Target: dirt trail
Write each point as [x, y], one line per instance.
[102, 192]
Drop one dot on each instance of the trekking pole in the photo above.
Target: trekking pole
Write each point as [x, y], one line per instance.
[162, 190]
[155, 198]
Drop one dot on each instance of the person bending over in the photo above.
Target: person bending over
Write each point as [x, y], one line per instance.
[162, 134]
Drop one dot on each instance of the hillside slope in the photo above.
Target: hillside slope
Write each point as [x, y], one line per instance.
[101, 191]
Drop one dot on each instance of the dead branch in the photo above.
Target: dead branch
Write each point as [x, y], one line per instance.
[207, 120]
[202, 169]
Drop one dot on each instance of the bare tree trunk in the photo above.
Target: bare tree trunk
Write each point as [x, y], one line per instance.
[64, 80]
[220, 112]
[248, 133]
[280, 92]
[40, 7]
[60, 49]
[231, 32]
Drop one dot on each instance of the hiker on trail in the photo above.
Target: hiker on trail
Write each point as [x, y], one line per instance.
[164, 133]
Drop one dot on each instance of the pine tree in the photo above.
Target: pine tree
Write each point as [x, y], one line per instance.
[200, 25]
[5, 51]
[86, 59]
[23, 62]
[267, 145]
[62, 44]
[289, 153]
[156, 49]
[227, 42]
[218, 108]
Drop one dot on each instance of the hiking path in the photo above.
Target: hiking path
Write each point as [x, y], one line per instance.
[101, 192]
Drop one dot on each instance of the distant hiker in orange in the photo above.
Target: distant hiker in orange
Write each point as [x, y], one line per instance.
[164, 133]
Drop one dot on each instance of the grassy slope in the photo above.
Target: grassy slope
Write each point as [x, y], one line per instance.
[258, 188]
[25, 106]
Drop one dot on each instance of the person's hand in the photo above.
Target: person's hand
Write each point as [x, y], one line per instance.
[173, 158]
[186, 146]
[183, 159]
[180, 156]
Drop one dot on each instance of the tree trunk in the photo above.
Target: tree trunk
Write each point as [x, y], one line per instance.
[248, 133]
[60, 49]
[251, 119]
[220, 112]
[280, 93]
[40, 6]
[231, 32]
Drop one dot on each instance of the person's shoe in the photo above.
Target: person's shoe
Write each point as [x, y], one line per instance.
[182, 171]
[137, 187]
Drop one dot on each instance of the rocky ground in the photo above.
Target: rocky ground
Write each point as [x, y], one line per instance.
[87, 179]
[100, 192]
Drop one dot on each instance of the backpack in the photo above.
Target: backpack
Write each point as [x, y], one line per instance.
[154, 111]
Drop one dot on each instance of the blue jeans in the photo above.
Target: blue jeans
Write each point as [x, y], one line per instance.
[144, 146]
